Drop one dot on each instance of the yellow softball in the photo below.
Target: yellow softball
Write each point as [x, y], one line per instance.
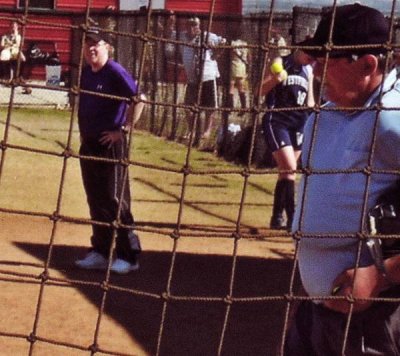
[276, 67]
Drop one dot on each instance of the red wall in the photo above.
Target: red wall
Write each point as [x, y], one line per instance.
[45, 33]
[60, 35]
[8, 3]
[80, 5]
[203, 6]
[41, 34]
[69, 5]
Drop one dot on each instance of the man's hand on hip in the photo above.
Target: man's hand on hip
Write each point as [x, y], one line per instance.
[368, 283]
[108, 138]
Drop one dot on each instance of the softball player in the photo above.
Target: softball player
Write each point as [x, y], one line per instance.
[283, 130]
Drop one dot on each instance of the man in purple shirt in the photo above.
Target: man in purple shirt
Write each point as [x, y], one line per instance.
[102, 124]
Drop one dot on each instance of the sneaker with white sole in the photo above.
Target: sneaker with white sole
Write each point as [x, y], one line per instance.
[93, 260]
[121, 266]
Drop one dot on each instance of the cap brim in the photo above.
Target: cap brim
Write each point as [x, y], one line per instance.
[311, 42]
[94, 37]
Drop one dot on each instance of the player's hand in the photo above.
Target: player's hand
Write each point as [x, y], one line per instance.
[369, 283]
[281, 76]
[108, 138]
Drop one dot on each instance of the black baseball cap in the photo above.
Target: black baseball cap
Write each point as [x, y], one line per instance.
[96, 35]
[354, 25]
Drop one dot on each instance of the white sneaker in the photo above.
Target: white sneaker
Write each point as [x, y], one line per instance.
[93, 260]
[123, 267]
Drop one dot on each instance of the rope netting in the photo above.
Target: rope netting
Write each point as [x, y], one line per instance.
[178, 230]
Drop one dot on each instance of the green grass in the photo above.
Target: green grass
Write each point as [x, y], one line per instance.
[31, 180]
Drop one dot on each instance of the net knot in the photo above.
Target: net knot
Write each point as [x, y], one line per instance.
[104, 286]
[228, 300]
[306, 171]
[175, 235]
[186, 170]
[245, 173]
[55, 217]
[93, 348]
[367, 171]
[31, 338]
[44, 276]
[236, 235]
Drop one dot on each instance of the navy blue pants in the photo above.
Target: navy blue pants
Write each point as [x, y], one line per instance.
[318, 331]
[103, 183]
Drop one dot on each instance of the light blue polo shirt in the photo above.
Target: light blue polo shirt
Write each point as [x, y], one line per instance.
[333, 203]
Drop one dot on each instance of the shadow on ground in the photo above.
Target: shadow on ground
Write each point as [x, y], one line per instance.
[190, 327]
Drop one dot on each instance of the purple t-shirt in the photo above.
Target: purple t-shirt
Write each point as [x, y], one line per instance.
[97, 114]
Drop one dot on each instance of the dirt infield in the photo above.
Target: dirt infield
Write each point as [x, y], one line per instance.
[130, 324]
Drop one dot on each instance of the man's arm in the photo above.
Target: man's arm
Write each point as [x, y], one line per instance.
[135, 111]
[369, 282]
[108, 138]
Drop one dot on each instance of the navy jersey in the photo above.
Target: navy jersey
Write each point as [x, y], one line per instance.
[97, 114]
[292, 92]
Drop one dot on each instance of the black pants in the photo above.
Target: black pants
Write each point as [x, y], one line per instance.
[318, 331]
[103, 183]
[8, 69]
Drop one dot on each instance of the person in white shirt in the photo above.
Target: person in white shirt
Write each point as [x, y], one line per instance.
[11, 48]
[192, 56]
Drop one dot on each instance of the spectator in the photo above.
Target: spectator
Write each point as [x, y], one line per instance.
[283, 130]
[192, 56]
[101, 124]
[11, 49]
[239, 70]
[354, 143]
[277, 44]
[169, 31]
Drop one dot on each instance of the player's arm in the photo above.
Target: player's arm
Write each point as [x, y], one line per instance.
[310, 92]
[276, 75]
[269, 82]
